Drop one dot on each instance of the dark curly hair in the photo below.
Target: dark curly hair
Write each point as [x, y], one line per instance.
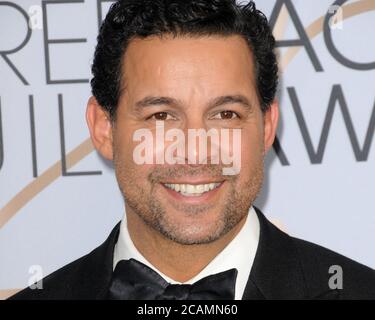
[128, 19]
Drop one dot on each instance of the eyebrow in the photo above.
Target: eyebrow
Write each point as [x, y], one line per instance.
[149, 101]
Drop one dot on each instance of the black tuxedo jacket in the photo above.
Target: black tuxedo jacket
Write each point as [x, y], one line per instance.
[284, 268]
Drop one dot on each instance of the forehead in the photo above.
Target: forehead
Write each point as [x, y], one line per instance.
[206, 65]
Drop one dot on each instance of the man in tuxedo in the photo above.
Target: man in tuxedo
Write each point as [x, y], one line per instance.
[190, 230]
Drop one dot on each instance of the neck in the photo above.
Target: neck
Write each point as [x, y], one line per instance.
[179, 262]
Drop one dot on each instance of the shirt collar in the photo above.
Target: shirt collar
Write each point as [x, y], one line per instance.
[239, 254]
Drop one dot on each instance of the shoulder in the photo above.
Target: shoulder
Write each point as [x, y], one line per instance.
[58, 285]
[84, 278]
[326, 269]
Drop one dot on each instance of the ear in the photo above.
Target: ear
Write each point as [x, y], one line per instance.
[100, 127]
[271, 118]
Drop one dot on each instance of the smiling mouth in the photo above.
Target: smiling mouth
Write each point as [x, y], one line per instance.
[193, 190]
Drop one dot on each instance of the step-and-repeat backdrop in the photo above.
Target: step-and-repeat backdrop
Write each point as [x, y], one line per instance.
[59, 199]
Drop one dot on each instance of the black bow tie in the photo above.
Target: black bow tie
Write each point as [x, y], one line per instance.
[132, 280]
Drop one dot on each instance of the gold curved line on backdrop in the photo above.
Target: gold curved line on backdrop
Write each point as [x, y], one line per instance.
[43, 181]
[316, 27]
[85, 148]
[6, 293]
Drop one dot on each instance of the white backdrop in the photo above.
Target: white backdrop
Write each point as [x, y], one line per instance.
[59, 199]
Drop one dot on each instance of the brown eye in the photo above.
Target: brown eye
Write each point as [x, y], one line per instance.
[226, 115]
[160, 116]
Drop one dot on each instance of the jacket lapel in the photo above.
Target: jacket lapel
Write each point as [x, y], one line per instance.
[94, 273]
[276, 272]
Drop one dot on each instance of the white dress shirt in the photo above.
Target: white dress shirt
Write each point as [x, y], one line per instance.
[239, 254]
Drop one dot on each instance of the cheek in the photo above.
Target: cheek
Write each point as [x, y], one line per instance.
[130, 169]
[252, 149]
[124, 142]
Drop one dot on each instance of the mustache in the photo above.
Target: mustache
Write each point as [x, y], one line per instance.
[162, 173]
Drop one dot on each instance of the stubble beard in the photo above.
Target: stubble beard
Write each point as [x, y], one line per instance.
[152, 212]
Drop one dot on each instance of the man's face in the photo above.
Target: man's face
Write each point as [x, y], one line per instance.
[191, 73]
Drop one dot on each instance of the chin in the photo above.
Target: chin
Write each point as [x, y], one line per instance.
[193, 228]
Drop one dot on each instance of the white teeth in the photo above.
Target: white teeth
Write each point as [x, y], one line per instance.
[182, 187]
[192, 189]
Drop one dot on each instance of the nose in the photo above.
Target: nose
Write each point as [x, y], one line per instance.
[202, 142]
